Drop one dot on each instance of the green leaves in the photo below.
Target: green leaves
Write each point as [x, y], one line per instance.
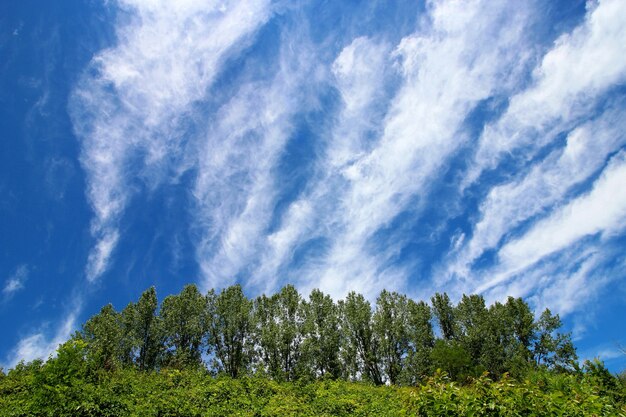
[185, 326]
[322, 337]
[279, 333]
[357, 322]
[230, 330]
[31, 390]
[287, 338]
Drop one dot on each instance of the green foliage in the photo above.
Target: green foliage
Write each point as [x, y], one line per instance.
[451, 357]
[282, 355]
[418, 363]
[230, 330]
[184, 326]
[444, 312]
[553, 349]
[357, 322]
[104, 336]
[148, 331]
[279, 333]
[322, 336]
[38, 389]
[390, 324]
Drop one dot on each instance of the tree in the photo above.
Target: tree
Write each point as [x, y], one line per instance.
[148, 330]
[103, 335]
[230, 322]
[553, 349]
[322, 336]
[418, 363]
[184, 326]
[279, 320]
[444, 312]
[472, 318]
[128, 341]
[357, 322]
[451, 357]
[390, 326]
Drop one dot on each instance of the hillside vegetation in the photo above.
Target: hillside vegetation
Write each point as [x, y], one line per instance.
[222, 354]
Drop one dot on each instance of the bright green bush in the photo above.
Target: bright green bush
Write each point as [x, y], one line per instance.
[64, 387]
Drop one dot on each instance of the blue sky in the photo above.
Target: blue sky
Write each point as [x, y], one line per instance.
[460, 146]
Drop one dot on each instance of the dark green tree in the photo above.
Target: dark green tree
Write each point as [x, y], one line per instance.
[322, 336]
[184, 326]
[103, 334]
[390, 325]
[279, 333]
[553, 349]
[357, 324]
[450, 356]
[444, 312]
[129, 340]
[418, 363]
[472, 318]
[230, 337]
[148, 331]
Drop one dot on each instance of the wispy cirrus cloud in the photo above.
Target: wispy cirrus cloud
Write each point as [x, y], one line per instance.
[131, 111]
[567, 84]
[16, 281]
[237, 187]
[40, 344]
[544, 187]
[602, 210]
[561, 260]
[444, 72]
[133, 102]
[545, 231]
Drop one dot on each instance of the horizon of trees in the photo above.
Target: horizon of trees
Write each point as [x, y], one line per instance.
[286, 337]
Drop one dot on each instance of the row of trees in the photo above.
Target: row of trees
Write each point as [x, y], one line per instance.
[286, 337]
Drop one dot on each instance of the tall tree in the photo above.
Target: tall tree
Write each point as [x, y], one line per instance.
[472, 324]
[184, 325]
[417, 363]
[444, 312]
[148, 330]
[129, 342]
[553, 349]
[230, 338]
[390, 326]
[322, 335]
[103, 334]
[279, 321]
[357, 322]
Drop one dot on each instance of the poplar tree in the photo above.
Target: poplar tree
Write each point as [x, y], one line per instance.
[184, 325]
[322, 336]
[357, 322]
[390, 325]
[230, 326]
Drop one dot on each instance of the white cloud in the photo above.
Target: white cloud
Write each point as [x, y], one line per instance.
[38, 345]
[132, 102]
[358, 72]
[580, 67]
[446, 71]
[16, 281]
[546, 184]
[236, 189]
[100, 254]
[601, 211]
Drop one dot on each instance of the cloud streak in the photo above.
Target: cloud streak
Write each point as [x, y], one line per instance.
[400, 121]
[16, 281]
[365, 183]
[40, 345]
[130, 110]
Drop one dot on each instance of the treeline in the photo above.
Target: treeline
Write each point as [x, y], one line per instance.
[286, 337]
